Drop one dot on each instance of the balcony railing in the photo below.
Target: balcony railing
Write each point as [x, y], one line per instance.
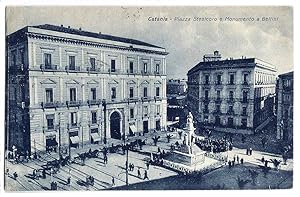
[94, 102]
[231, 83]
[114, 71]
[145, 73]
[72, 68]
[73, 125]
[157, 98]
[218, 83]
[146, 98]
[48, 67]
[54, 104]
[92, 69]
[73, 103]
[230, 112]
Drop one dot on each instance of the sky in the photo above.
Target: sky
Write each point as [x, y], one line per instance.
[186, 41]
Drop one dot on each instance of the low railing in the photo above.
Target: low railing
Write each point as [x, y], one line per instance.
[71, 68]
[45, 67]
[94, 102]
[73, 103]
[54, 104]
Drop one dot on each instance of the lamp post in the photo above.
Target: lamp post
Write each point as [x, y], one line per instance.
[104, 109]
[127, 147]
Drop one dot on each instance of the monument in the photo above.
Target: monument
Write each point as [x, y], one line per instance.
[188, 153]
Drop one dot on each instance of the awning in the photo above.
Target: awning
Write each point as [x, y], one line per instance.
[96, 137]
[74, 139]
[133, 128]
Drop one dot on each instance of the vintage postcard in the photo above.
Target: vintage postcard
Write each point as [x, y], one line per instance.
[148, 98]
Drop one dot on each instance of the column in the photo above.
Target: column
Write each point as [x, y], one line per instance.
[60, 58]
[61, 89]
[35, 91]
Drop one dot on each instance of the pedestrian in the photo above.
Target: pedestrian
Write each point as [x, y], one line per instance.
[7, 171]
[44, 174]
[237, 159]
[15, 175]
[158, 149]
[139, 173]
[250, 151]
[229, 164]
[112, 181]
[247, 151]
[234, 158]
[146, 175]
[132, 167]
[34, 173]
[262, 159]
[105, 159]
[147, 164]
[242, 161]
[233, 163]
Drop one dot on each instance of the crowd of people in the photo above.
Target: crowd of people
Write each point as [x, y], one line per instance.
[214, 145]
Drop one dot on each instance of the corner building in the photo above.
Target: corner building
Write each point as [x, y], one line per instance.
[232, 95]
[69, 88]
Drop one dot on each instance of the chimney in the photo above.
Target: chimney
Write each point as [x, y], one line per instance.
[80, 28]
[62, 25]
[99, 32]
[69, 26]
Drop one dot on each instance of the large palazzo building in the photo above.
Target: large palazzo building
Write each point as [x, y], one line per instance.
[232, 95]
[284, 109]
[68, 88]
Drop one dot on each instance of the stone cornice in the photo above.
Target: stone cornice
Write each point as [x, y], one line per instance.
[89, 43]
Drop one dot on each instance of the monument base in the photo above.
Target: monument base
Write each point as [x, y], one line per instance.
[190, 158]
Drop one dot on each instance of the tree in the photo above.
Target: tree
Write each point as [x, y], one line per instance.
[276, 163]
[253, 175]
[180, 134]
[241, 182]
[155, 140]
[169, 137]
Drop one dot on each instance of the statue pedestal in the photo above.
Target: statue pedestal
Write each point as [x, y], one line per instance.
[186, 157]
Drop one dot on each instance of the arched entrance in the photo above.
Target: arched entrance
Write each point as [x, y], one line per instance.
[115, 130]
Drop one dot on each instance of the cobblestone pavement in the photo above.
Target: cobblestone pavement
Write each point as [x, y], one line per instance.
[103, 173]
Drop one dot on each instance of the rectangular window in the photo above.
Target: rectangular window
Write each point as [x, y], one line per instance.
[218, 94]
[231, 79]
[244, 111]
[113, 65]
[145, 68]
[158, 109]
[131, 112]
[94, 117]
[131, 92]
[72, 94]
[73, 118]
[230, 122]
[47, 60]
[22, 53]
[206, 79]
[50, 121]
[206, 108]
[231, 95]
[113, 93]
[245, 78]
[219, 79]
[93, 63]
[93, 94]
[130, 67]
[244, 123]
[245, 96]
[49, 95]
[206, 94]
[72, 62]
[157, 91]
[218, 108]
[157, 68]
[145, 110]
[145, 92]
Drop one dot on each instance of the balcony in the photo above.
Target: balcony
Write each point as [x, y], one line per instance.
[218, 100]
[50, 128]
[72, 68]
[245, 83]
[230, 100]
[114, 71]
[133, 99]
[147, 98]
[73, 125]
[231, 83]
[73, 103]
[94, 102]
[93, 69]
[132, 72]
[217, 112]
[206, 100]
[48, 67]
[230, 112]
[145, 73]
[244, 100]
[157, 98]
[157, 73]
[218, 83]
[51, 104]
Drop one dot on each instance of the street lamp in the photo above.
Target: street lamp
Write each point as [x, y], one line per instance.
[127, 147]
[104, 109]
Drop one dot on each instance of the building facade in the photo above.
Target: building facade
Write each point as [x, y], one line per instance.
[68, 88]
[232, 95]
[284, 108]
[176, 86]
